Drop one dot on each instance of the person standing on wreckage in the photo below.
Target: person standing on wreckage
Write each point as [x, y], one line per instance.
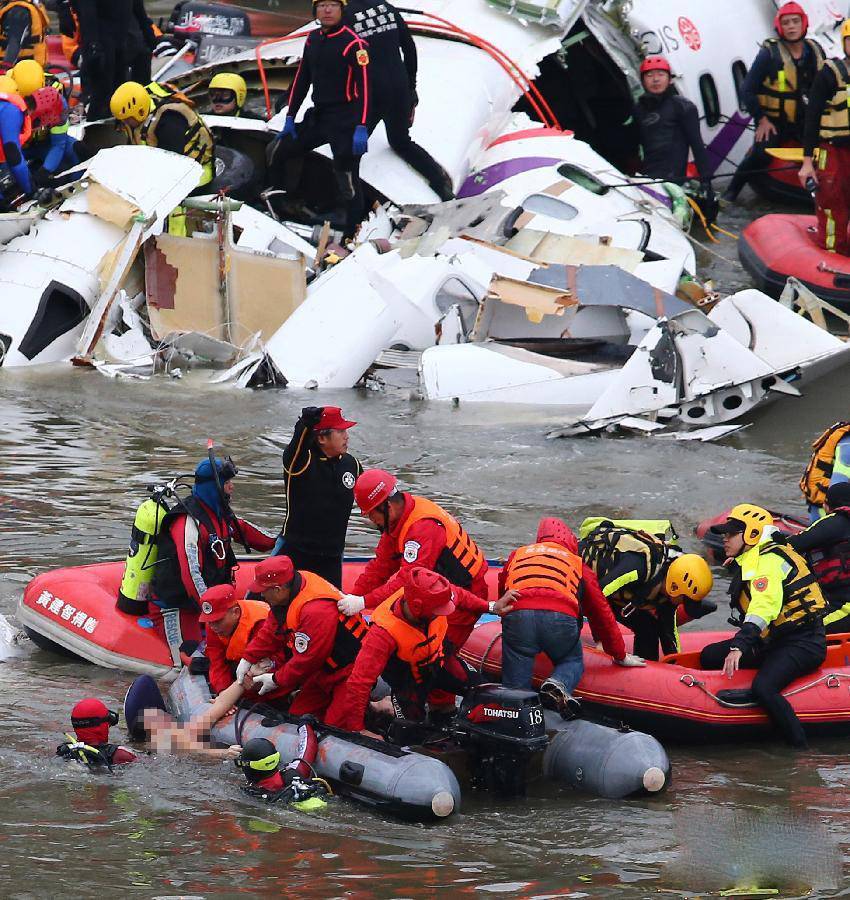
[335, 63]
[195, 553]
[393, 66]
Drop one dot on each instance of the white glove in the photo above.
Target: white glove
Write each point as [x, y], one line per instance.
[266, 683]
[350, 605]
[242, 670]
[630, 661]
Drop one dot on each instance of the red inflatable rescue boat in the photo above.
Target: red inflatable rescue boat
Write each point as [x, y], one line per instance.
[775, 247]
[73, 611]
[675, 700]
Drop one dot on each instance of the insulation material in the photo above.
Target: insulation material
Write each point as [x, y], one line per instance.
[184, 292]
[576, 251]
[537, 300]
[107, 205]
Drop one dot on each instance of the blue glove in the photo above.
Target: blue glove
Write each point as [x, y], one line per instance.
[360, 144]
[288, 129]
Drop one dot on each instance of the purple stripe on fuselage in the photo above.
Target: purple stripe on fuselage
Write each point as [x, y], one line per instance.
[656, 195]
[487, 178]
[729, 135]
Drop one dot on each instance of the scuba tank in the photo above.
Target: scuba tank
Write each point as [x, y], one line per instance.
[142, 553]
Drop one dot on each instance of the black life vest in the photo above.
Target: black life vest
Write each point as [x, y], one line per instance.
[99, 757]
[831, 564]
[214, 546]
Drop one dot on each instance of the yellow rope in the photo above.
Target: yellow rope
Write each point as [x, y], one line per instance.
[698, 211]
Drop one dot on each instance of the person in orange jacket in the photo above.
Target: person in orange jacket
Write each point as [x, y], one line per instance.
[408, 646]
[318, 643]
[231, 624]
[554, 593]
[416, 532]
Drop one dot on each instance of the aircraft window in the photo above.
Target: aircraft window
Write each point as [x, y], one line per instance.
[583, 178]
[739, 73]
[59, 310]
[544, 205]
[710, 100]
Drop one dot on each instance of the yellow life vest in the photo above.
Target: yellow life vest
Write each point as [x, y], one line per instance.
[835, 120]
[35, 46]
[780, 96]
[802, 600]
[815, 480]
[200, 144]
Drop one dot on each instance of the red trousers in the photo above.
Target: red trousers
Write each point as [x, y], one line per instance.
[322, 695]
[833, 197]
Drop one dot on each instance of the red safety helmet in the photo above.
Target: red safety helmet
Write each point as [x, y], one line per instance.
[655, 64]
[427, 593]
[790, 9]
[91, 720]
[373, 488]
[557, 531]
[47, 108]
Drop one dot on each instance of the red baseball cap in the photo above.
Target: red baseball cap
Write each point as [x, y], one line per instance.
[332, 418]
[272, 572]
[427, 593]
[216, 601]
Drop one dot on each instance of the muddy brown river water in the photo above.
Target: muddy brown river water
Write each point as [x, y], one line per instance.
[76, 451]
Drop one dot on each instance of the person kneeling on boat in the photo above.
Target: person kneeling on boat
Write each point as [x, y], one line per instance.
[829, 464]
[780, 609]
[231, 624]
[194, 552]
[826, 546]
[91, 721]
[553, 592]
[828, 166]
[318, 643]
[645, 579]
[776, 89]
[408, 645]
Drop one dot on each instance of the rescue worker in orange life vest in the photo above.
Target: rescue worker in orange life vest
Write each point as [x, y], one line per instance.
[231, 623]
[826, 546]
[776, 90]
[195, 553]
[408, 646]
[417, 532]
[319, 475]
[829, 465]
[554, 592]
[780, 608]
[826, 149]
[335, 64]
[23, 30]
[18, 118]
[312, 644]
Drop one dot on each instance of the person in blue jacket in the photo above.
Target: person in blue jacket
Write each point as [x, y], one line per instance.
[18, 119]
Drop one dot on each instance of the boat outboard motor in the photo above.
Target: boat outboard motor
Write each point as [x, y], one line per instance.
[500, 728]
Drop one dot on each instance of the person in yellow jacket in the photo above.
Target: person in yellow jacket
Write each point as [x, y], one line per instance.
[780, 608]
[23, 30]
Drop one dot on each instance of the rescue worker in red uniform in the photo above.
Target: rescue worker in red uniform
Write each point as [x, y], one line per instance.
[554, 592]
[91, 720]
[335, 63]
[416, 532]
[828, 164]
[195, 553]
[408, 646]
[231, 625]
[305, 629]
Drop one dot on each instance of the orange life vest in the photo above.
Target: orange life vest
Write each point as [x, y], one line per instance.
[545, 565]
[420, 651]
[26, 129]
[350, 629]
[35, 46]
[253, 611]
[461, 562]
[816, 478]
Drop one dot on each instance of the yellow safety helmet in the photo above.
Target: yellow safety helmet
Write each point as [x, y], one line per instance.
[845, 29]
[8, 85]
[29, 76]
[753, 518]
[689, 577]
[230, 81]
[130, 101]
